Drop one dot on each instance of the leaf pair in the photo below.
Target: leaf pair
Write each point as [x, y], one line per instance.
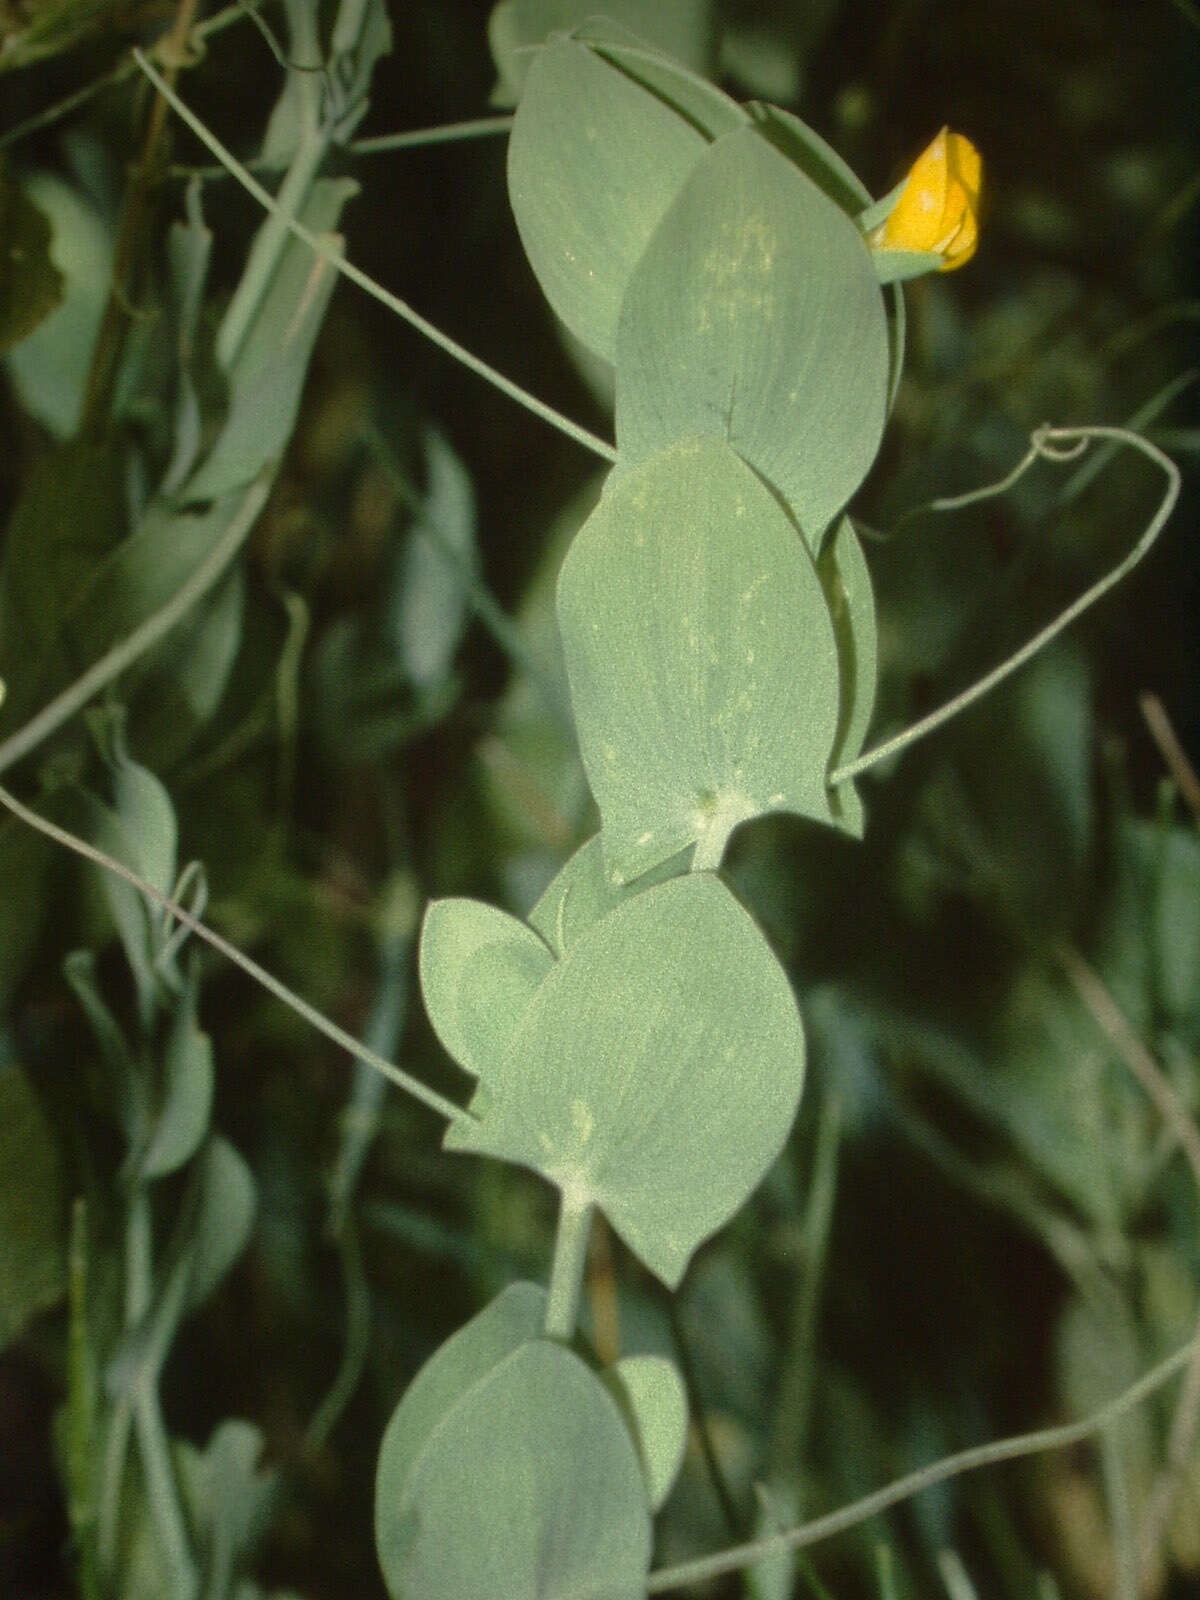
[626, 1057]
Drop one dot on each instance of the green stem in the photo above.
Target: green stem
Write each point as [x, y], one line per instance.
[566, 1271]
[112, 1473]
[419, 138]
[1053, 444]
[326, 251]
[871, 1505]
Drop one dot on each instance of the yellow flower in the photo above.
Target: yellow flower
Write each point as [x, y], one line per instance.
[938, 208]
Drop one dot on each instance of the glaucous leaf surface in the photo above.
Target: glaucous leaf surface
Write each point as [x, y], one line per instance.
[187, 1103]
[529, 1487]
[479, 970]
[843, 571]
[701, 656]
[651, 1396]
[512, 1319]
[665, 1045]
[594, 161]
[755, 315]
[682, 29]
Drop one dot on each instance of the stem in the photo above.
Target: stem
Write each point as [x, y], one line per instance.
[566, 1270]
[419, 138]
[1172, 752]
[985, 1455]
[326, 251]
[144, 637]
[112, 1472]
[1053, 444]
[403, 1080]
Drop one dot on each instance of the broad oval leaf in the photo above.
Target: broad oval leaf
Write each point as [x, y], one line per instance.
[843, 571]
[665, 1045]
[594, 162]
[530, 1486]
[479, 969]
[513, 1318]
[755, 315]
[652, 1398]
[701, 657]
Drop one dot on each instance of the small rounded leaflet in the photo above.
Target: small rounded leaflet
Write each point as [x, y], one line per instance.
[656, 1071]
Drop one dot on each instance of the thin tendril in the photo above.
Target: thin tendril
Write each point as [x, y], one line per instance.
[401, 308]
[403, 1080]
[985, 1455]
[1054, 444]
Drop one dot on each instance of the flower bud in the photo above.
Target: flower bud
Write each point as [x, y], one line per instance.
[937, 212]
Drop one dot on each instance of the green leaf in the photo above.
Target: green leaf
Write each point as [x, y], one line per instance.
[807, 150]
[479, 970]
[701, 656]
[665, 1043]
[530, 1486]
[594, 162]
[226, 1216]
[652, 1399]
[754, 314]
[581, 894]
[32, 1221]
[843, 571]
[437, 567]
[49, 368]
[30, 284]
[183, 1119]
[513, 1318]
[267, 377]
[682, 29]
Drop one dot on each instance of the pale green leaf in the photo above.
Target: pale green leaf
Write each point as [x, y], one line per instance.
[665, 1043]
[182, 1120]
[226, 1216]
[681, 29]
[594, 162]
[530, 1486]
[755, 315]
[268, 373]
[842, 568]
[701, 656]
[513, 1318]
[49, 369]
[653, 1401]
[479, 969]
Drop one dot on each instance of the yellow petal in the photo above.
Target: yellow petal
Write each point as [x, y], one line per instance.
[938, 208]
